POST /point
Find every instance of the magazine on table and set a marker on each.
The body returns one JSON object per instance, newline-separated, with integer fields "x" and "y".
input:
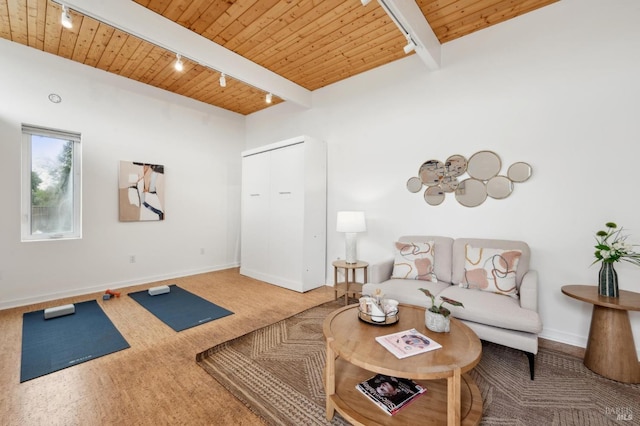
{"x": 407, "y": 343}
{"x": 390, "y": 393}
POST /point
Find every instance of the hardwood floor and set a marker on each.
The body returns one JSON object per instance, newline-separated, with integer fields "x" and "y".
{"x": 156, "y": 381}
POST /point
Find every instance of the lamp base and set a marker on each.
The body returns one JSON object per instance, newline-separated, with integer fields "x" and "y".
{"x": 351, "y": 255}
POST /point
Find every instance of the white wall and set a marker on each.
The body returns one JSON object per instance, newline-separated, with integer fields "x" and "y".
{"x": 557, "y": 88}
{"x": 119, "y": 120}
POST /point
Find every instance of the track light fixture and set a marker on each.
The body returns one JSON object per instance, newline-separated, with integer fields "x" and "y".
{"x": 179, "y": 66}
{"x": 223, "y": 80}
{"x": 65, "y": 18}
{"x": 269, "y": 98}
{"x": 411, "y": 46}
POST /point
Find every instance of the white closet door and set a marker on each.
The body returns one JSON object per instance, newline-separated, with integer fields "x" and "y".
{"x": 287, "y": 213}
{"x": 255, "y": 223}
{"x": 284, "y": 213}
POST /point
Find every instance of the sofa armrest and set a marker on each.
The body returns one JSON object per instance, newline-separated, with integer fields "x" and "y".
{"x": 529, "y": 291}
{"x": 380, "y": 271}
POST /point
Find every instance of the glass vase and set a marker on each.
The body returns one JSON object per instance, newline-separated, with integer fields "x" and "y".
{"x": 608, "y": 280}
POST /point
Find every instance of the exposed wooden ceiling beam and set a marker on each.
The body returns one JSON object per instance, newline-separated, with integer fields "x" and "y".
{"x": 145, "y": 24}
{"x": 410, "y": 18}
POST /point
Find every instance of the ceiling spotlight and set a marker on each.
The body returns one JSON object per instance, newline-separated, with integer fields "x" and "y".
{"x": 411, "y": 46}
{"x": 365, "y": 2}
{"x": 223, "y": 80}
{"x": 65, "y": 17}
{"x": 269, "y": 98}
{"x": 179, "y": 66}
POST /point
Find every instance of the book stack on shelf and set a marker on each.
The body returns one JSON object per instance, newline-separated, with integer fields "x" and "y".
{"x": 390, "y": 393}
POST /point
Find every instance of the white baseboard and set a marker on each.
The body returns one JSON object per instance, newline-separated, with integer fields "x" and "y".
{"x": 295, "y": 285}
{"x": 566, "y": 338}
{"x": 7, "y": 304}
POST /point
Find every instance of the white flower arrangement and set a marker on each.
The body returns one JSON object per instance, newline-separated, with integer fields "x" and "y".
{"x": 615, "y": 250}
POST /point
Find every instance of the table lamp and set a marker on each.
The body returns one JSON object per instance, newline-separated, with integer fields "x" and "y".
{"x": 351, "y": 223}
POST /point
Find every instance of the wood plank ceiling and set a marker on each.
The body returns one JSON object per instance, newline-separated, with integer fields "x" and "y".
{"x": 313, "y": 43}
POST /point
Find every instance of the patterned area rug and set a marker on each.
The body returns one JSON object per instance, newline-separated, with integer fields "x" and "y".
{"x": 277, "y": 372}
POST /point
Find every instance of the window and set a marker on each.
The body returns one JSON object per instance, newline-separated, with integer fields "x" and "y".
{"x": 51, "y": 161}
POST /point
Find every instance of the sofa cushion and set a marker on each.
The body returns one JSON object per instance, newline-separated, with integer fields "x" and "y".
{"x": 441, "y": 253}
{"x": 489, "y": 269}
{"x": 414, "y": 261}
{"x": 492, "y": 309}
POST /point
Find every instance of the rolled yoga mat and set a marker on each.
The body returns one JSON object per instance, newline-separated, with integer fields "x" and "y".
{"x": 59, "y": 311}
{"x": 154, "y": 291}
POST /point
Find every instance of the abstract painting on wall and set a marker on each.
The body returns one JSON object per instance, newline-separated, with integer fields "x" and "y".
{"x": 141, "y": 191}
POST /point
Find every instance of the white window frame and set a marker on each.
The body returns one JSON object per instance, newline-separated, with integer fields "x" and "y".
{"x": 76, "y": 232}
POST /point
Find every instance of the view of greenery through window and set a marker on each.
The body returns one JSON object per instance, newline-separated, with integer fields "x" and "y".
{"x": 51, "y": 185}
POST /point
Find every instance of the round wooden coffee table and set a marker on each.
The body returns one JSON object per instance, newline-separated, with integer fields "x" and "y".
{"x": 353, "y": 355}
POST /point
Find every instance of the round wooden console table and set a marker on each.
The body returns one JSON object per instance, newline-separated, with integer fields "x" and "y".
{"x": 610, "y": 351}
{"x": 353, "y": 355}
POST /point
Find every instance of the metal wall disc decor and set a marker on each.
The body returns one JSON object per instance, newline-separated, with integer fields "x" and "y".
{"x": 455, "y": 165}
{"x": 499, "y": 187}
{"x": 484, "y": 165}
{"x": 519, "y": 172}
{"x": 471, "y": 192}
{"x": 484, "y": 179}
{"x": 434, "y": 195}
{"x": 431, "y": 172}
{"x": 414, "y": 184}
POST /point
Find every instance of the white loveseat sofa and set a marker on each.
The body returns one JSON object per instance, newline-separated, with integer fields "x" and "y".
{"x": 509, "y": 320}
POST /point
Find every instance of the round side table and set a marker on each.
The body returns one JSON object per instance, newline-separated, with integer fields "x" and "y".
{"x": 348, "y": 284}
{"x": 610, "y": 351}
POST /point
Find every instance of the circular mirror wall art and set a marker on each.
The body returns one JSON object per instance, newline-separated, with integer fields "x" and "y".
{"x": 519, "y": 172}
{"x": 471, "y": 192}
{"x": 431, "y": 172}
{"x": 483, "y": 165}
{"x": 499, "y": 187}
{"x": 434, "y": 195}
{"x": 455, "y": 165}
{"x": 485, "y": 180}
{"x": 449, "y": 183}
{"x": 414, "y": 184}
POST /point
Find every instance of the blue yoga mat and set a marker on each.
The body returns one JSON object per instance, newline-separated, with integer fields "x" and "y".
{"x": 57, "y": 343}
{"x": 180, "y": 309}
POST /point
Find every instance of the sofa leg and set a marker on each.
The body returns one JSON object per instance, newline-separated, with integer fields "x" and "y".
{"x": 530, "y": 356}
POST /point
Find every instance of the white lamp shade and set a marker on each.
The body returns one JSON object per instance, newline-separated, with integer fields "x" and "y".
{"x": 351, "y": 222}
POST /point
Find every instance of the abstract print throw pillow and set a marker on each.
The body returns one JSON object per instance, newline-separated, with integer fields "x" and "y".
{"x": 491, "y": 270}
{"x": 414, "y": 261}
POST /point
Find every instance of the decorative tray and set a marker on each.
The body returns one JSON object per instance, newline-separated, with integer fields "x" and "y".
{"x": 389, "y": 319}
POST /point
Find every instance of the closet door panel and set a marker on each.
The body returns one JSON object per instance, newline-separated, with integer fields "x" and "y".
{"x": 287, "y": 212}
{"x": 255, "y": 218}
{"x": 255, "y": 174}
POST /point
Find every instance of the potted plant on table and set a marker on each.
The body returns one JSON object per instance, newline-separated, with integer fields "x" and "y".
{"x": 436, "y": 317}
{"x": 611, "y": 246}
